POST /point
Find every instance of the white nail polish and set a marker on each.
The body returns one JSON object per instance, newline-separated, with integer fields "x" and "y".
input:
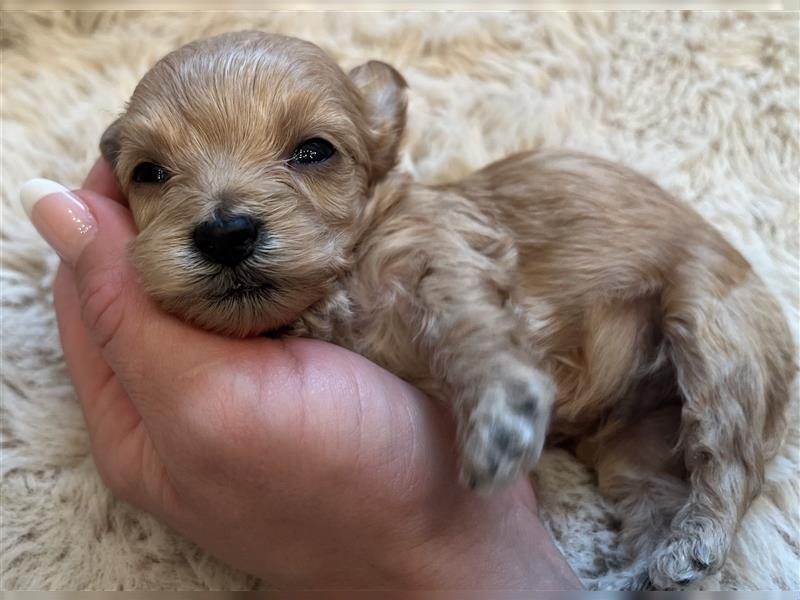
{"x": 60, "y": 217}
{"x": 33, "y": 190}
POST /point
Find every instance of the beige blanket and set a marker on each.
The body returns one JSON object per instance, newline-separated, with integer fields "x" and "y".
{"x": 705, "y": 103}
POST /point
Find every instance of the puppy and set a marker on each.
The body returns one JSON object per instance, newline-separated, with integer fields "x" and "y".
{"x": 548, "y": 292}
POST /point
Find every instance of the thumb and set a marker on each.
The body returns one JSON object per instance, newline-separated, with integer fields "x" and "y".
{"x": 91, "y": 233}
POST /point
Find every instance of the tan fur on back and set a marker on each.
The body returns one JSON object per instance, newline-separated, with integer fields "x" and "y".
{"x": 732, "y": 155}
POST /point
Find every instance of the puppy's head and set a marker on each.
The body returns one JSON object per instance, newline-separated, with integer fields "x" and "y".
{"x": 245, "y": 159}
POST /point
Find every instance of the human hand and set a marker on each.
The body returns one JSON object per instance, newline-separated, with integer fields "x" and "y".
{"x": 294, "y": 460}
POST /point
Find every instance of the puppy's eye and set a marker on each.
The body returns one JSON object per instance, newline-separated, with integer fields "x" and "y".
{"x": 315, "y": 150}
{"x": 148, "y": 172}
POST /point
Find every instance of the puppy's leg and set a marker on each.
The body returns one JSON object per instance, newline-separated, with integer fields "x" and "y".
{"x": 732, "y": 357}
{"x": 504, "y": 432}
{"x": 476, "y": 346}
{"x": 637, "y": 468}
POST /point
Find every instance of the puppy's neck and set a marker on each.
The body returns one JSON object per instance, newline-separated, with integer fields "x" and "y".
{"x": 383, "y": 199}
{"x": 331, "y": 318}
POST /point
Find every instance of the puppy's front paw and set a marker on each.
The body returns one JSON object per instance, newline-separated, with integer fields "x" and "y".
{"x": 506, "y": 430}
{"x": 695, "y": 549}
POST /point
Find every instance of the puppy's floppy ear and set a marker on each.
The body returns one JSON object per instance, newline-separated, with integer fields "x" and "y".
{"x": 384, "y": 92}
{"x": 110, "y": 142}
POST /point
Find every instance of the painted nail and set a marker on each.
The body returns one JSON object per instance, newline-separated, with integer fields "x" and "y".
{"x": 59, "y": 216}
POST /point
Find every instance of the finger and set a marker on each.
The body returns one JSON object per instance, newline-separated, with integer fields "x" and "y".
{"x": 101, "y": 180}
{"x": 112, "y": 421}
{"x": 108, "y": 411}
{"x": 124, "y": 452}
{"x": 142, "y": 345}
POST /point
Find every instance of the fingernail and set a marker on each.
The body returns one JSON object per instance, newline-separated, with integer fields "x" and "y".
{"x": 59, "y": 216}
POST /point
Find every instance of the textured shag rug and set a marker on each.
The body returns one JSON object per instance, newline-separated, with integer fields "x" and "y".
{"x": 704, "y": 103}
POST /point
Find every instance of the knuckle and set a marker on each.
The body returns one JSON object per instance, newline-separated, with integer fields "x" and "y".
{"x": 102, "y": 308}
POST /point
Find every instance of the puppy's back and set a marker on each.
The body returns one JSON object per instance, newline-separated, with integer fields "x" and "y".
{"x": 606, "y": 226}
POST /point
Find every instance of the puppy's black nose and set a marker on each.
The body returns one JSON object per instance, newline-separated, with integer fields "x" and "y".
{"x": 226, "y": 240}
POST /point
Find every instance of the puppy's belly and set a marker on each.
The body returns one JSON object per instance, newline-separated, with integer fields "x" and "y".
{"x": 605, "y": 358}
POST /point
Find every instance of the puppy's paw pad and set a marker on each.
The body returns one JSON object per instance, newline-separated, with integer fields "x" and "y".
{"x": 523, "y": 389}
{"x": 688, "y": 556}
{"x": 505, "y": 434}
{"x": 496, "y": 450}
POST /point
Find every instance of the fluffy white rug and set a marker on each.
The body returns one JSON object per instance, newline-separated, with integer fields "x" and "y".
{"x": 705, "y": 103}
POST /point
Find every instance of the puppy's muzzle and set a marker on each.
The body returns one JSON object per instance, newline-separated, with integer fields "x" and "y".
{"x": 227, "y": 239}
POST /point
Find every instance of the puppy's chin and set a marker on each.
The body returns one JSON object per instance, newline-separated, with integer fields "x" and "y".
{"x": 224, "y": 302}
{"x": 244, "y": 312}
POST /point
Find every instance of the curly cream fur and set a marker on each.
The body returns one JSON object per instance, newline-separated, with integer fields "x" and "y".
{"x": 703, "y": 103}
{"x": 637, "y": 305}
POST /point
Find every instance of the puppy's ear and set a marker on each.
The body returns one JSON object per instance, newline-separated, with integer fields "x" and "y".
{"x": 385, "y": 100}
{"x": 110, "y": 142}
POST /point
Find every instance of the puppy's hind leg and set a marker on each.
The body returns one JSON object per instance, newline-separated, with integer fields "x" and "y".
{"x": 637, "y": 468}
{"x": 732, "y": 358}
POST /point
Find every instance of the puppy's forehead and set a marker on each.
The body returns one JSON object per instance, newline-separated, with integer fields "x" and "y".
{"x": 237, "y": 90}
